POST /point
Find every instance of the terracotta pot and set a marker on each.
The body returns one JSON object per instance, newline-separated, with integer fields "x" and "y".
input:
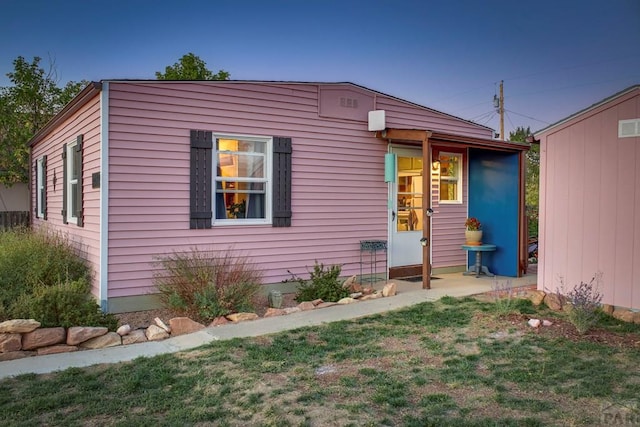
{"x": 474, "y": 237}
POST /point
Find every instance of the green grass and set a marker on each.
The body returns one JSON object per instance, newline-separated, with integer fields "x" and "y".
{"x": 452, "y": 362}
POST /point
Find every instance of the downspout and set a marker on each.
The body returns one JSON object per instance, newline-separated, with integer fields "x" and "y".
{"x": 104, "y": 198}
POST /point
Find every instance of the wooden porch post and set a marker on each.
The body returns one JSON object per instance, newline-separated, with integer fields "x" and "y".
{"x": 426, "y": 204}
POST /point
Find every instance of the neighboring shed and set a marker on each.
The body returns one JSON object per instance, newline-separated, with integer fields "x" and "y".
{"x": 590, "y": 199}
{"x": 284, "y": 172}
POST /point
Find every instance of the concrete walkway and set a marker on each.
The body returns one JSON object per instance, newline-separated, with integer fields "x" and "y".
{"x": 455, "y": 285}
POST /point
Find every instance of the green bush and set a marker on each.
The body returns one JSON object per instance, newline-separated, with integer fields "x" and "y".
{"x": 323, "y": 284}
{"x": 207, "y": 284}
{"x": 31, "y": 259}
{"x": 64, "y": 304}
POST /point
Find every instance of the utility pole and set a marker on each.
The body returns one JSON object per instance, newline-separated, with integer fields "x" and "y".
{"x": 501, "y": 110}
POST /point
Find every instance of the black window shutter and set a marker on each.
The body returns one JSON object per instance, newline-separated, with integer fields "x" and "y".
{"x": 77, "y": 158}
{"x": 44, "y": 187}
{"x": 64, "y": 184}
{"x": 281, "y": 182}
{"x": 201, "y": 179}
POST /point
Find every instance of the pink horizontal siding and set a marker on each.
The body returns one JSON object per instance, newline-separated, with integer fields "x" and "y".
{"x": 590, "y": 203}
{"x": 406, "y": 116}
{"x": 339, "y": 194}
{"x": 149, "y": 189}
{"x": 87, "y": 238}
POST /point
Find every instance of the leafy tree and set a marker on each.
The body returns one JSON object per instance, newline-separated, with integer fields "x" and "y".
{"x": 25, "y": 107}
{"x": 190, "y": 67}
{"x": 532, "y": 182}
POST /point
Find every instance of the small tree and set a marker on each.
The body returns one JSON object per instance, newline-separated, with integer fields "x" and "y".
{"x": 25, "y": 107}
{"x": 190, "y": 67}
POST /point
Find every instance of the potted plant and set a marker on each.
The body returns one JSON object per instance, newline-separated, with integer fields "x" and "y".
{"x": 473, "y": 233}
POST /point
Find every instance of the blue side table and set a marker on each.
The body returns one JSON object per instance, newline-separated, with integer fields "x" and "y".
{"x": 479, "y": 269}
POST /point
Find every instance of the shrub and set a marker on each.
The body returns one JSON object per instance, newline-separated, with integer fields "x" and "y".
{"x": 207, "y": 284}
{"x": 585, "y": 303}
{"x": 503, "y": 298}
{"x": 64, "y": 304}
{"x": 30, "y": 259}
{"x": 323, "y": 284}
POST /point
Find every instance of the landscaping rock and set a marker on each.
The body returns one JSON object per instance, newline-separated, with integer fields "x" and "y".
{"x": 19, "y": 326}
{"x": 220, "y": 320}
{"x": 134, "y": 337}
{"x": 79, "y": 334}
{"x": 607, "y": 309}
{"x": 547, "y": 323}
{"x": 368, "y": 291}
{"x": 536, "y": 297}
{"x": 347, "y": 300}
{"x": 534, "y": 323}
{"x": 289, "y": 310}
{"x": 110, "y": 339}
{"x": 351, "y": 283}
{"x": 355, "y": 295}
{"x": 161, "y": 324}
{"x": 13, "y": 355}
{"x": 43, "y": 337}
{"x": 10, "y": 342}
{"x": 273, "y": 312}
{"x": 123, "y": 330}
{"x": 184, "y": 325}
{"x": 389, "y": 290}
{"x": 624, "y": 315}
{"x": 55, "y": 349}
{"x": 371, "y": 296}
{"x": 242, "y": 317}
{"x": 156, "y": 333}
{"x": 317, "y": 301}
{"x": 306, "y": 306}
{"x": 553, "y": 301}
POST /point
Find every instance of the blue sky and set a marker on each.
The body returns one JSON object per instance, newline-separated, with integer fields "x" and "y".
{"x": 555, "y": 56}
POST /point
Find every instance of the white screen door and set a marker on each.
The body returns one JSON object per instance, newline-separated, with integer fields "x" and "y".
{"x": 407, "y": 216}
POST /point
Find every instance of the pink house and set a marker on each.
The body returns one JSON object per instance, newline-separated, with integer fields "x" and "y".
{"x": 590, "y": 199}
{"x": 286, "y": 173}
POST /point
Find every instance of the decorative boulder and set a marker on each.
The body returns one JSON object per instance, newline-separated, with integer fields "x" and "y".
{"x": 44, "y": 337}
{"x": 19, "y": 326}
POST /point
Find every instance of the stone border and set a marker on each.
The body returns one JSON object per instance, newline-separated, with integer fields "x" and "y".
{"x": 20, "y": 338}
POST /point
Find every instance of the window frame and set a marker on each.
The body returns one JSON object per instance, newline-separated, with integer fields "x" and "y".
{"x": 458, "y": 179}
{"x": 267, "y": 180}
{"x": 71, "y": 161}
{"x": 41, "y": 187}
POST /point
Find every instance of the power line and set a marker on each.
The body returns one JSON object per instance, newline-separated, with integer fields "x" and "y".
{"x": 528, "y": 117}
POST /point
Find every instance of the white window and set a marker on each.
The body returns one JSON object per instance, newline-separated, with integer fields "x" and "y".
{"x": 71, "y": 184}
{"x": 450, "y": 178}
{"x": 242, "y": 179}
{"x": 41, "y": 189}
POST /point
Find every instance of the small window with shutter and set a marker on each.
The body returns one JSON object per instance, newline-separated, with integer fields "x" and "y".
{"x": 72, "y": 212}
{"x": 240, "y": 180}
{"x": 41, "y": 187}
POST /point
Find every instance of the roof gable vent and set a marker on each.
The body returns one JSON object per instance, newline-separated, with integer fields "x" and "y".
{"x": 628, "y": 128}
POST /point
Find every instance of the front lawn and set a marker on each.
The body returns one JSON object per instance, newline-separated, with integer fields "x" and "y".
{"x": 451, "y": 362}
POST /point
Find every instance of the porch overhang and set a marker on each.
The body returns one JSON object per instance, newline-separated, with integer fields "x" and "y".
{"x": 425, "y": 139}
